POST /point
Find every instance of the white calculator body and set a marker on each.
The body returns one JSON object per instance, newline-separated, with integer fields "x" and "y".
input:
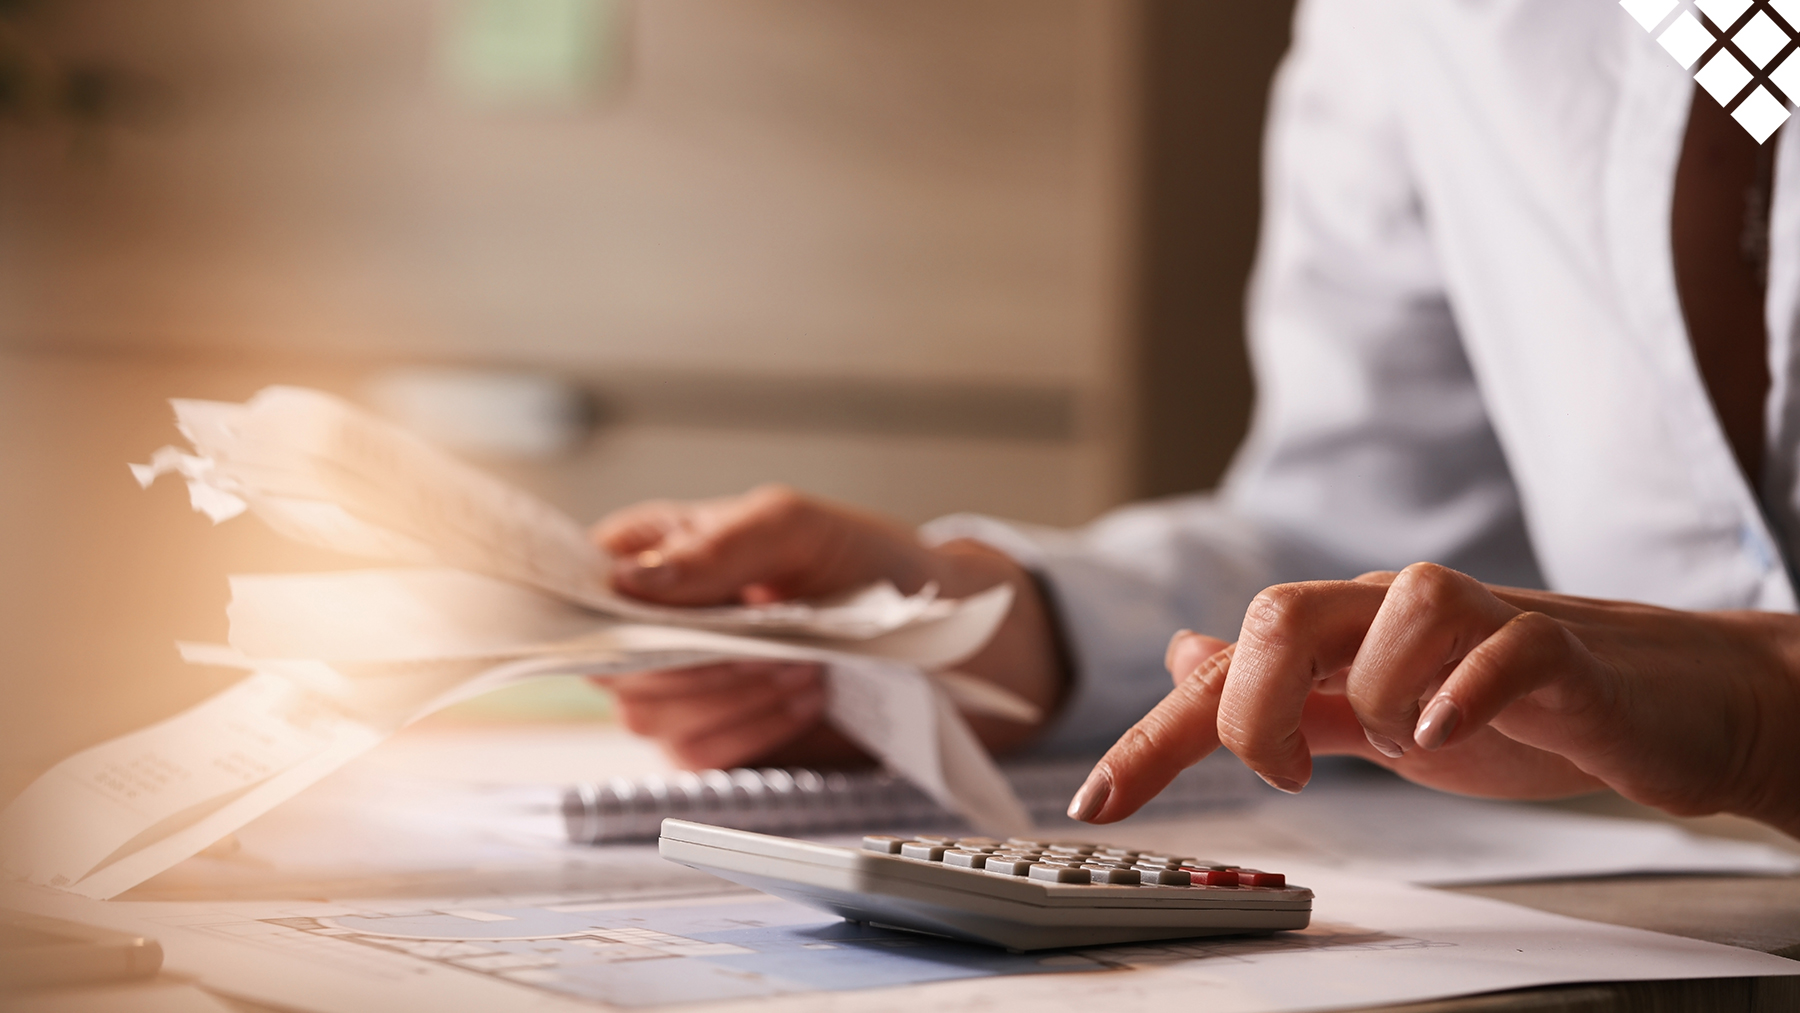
{"x": 1019, "y": 893}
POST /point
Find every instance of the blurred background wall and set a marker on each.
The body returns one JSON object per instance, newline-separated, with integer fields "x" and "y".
{"x": 921, "y": 255}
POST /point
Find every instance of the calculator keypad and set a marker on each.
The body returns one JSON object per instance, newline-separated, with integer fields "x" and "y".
{"x": 1072, "y": 862}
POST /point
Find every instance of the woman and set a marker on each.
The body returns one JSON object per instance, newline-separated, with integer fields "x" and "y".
{"x": 1525, "y": 308}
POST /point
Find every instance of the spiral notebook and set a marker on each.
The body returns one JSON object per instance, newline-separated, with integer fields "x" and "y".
{"x": 800, "y": 801}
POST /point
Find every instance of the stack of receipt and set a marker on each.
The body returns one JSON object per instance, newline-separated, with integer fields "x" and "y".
{"x": 498, "y": 587}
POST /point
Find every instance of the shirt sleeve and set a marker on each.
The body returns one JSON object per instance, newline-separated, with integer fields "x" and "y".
{"x": 1370, "y": 447}
{"x": 1120, "y": 587}
{"x": 1371, "y": 442}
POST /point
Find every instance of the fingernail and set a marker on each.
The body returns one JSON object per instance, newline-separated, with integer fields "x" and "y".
{"x": 648, "y": 568}
{"x": 1384, "y": 745}
{"x": 1437, "y": 724}
{"x": 1280, "y": 783}
{"x": 1092, "y": 797}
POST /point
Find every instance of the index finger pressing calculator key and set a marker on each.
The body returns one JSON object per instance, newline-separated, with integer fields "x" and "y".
{"x": 1020, "y": 893}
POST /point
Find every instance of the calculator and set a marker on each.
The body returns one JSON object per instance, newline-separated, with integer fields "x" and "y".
{"x": 1019, "y": 893}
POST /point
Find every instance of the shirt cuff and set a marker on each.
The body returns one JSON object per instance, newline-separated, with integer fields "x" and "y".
{"x": 1115, "y": 627}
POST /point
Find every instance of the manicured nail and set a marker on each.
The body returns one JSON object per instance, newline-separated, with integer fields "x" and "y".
{"x": 1281, "y": 783}
{"x": 1092, "y": 797}
{"x": 1384, "y": 745}
{"x": 1437, "y": 724}
{"x": 649, "y": 568}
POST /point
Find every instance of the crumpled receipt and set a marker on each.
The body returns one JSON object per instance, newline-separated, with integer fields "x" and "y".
{"x": 501, "y": 587}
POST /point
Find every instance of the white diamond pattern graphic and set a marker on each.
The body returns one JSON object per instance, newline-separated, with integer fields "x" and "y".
{"x": 1686, "y": 40}
{"x": 1761, "y": 114}
{"x": 1761, "y": 39}
{"x": 1723, "y": 13}
{"x": 1650, "y": 13}
{"x": 1723, "y": 77}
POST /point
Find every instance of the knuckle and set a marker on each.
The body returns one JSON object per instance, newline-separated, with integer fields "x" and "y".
{"x": 777, "y": 501}
{"x": 1529, "y": 638}
{"x": 1279, "y": 609}
{"x": 1210, "y": 676}
{"x": 1540, "y": 628}
{"x": 1149, "y": 738}
{"x": 1382, "y": 705}
{"x": 1245, "y": 740}
{"x": 1431, "y": 585}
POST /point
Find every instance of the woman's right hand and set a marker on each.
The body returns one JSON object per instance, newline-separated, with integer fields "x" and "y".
{"x": 774, "y": 544}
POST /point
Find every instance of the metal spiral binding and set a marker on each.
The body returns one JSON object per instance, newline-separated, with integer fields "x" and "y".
{"x": 787, "y": 801}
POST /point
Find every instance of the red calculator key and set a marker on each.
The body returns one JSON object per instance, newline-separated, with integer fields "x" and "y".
{"x": 1212, "y": 877}
{"x": 1256, "y": 877}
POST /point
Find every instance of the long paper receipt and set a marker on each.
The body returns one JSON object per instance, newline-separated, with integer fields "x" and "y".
{"x": 499, "y": 587}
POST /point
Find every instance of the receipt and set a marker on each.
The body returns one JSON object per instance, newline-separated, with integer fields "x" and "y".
{"x": 321, "y": 471}
{"x": 114, "y": 815}
{"x": 503, "y": 587}
{"x": 440, "y": 613}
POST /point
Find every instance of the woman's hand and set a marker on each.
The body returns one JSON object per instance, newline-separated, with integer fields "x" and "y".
{"x": 773, "y": 544}
{"x": 1484, "y": 691}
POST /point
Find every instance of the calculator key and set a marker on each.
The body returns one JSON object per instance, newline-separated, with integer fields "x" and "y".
{"x": 1059, "y": 873}
{"x": 1256, "y": 877}
{"x": 1213, "y": 877}
{"x": 1114, "y": 875}
{"x": 965, "y": 859}
{"x": 1102, "y": 890}
{"x": 1156, "y": 876}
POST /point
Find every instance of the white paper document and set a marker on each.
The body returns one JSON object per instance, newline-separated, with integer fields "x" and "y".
{"x": 504, "y": 588}
{"x": 324, "y": 472}
{"x": 1385, "y": 827}
{"x": 1358, "y": 820}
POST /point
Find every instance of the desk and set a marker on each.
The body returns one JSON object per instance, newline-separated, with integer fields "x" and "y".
{"x": 1756, "y": 913}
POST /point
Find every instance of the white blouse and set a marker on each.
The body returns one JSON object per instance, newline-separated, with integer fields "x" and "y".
{"x": 1468, "y": 348}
